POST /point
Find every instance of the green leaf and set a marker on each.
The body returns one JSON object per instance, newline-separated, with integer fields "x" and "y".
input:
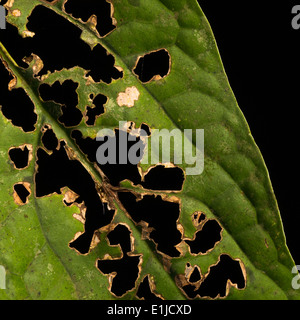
{"x": 234, "y": 189}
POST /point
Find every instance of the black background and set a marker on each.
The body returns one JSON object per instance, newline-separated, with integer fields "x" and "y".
{"x": 261, "y": 54}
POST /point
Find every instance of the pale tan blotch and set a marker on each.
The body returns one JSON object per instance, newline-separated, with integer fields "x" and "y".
{"x": 17, "y": 198}
{"x": 92, "y": 22}
{"x": 9, "y": 4}
{"x": 69, "y": 199}
{"x": 27, "y": 33}
{"x": 81, "y": 216}
{"x": 13, "y": 82}
{"x": 95, "y": 240}
{"x": 112, "y": 11}
{"x": 30, "y": 149}
{"x": 128, "y": 97}
{"x": 16, "y": 13}
{"x": 198, "y": 218}
{"x": 70, "y": 196}
{"x": 188, "y": 270}
{"x": 35, "y": 62}
{"x": 119, "y": 68}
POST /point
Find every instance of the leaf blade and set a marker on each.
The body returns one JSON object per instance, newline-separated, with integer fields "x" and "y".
{"x": 200, "y": 80}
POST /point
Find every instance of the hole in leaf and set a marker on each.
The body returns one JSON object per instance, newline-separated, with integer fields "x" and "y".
{"x": 206, "y": 238}
{"x": 114, "y": 172}
{"x": 22, "y": 192}
{"x": 93, "y": 112}
{"x": 15, "y": 44}
{"x": 121, "y": 235}
{"x": 15, "y": 104}
{"x": 215, "y": 282}
{"x": 146, "y": 128}
{"x": 160, "y": 216}
{"x": 198, "y": 218}
{"x": 49, "y": 138}
{"x": 195, "y": 276}
{"x": 59, "y": 45}
{"x": 21, "y": 156}
{"x": 57, "y": 42}
{"x": 64, "y": 94}
{"x": 145, "y": 292}
{"x": 56, "y": 171}
{"x": 124, "y": 271}
{"x": 84, "y": 10}
{"x": 164, "y": 178}
{"x": 154, "y": 65}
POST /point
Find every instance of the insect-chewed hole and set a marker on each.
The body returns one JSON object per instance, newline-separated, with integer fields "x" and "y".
{"x": 125, "y": 269}
{"x": 20, "y": 156}
{"x": 93, "y": 112}
{"x": 121, "y": 235}
{"x": 198, "y": 217}
{"x": 164, "y": 178}
{"x": 195, "y": 275}
{"x": 22, "y": 192}
{"x": 15, "y": 104}
{"x": 160, "y": 216}
{"x": 64, "y": 94}
{"x": 84, "y": 10}
{"x": 153, "y": 65}
{"x": 144, "y": 291}
{"x": 56, "y": 171}
{"x": 206, "y": 238}
{"x": 115, "y": 172}
{"x": 49, "y": 138}
{"x": 215, "y": 283}
{"x": 146, "y": 129}
{"x": 57, "y": 42}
